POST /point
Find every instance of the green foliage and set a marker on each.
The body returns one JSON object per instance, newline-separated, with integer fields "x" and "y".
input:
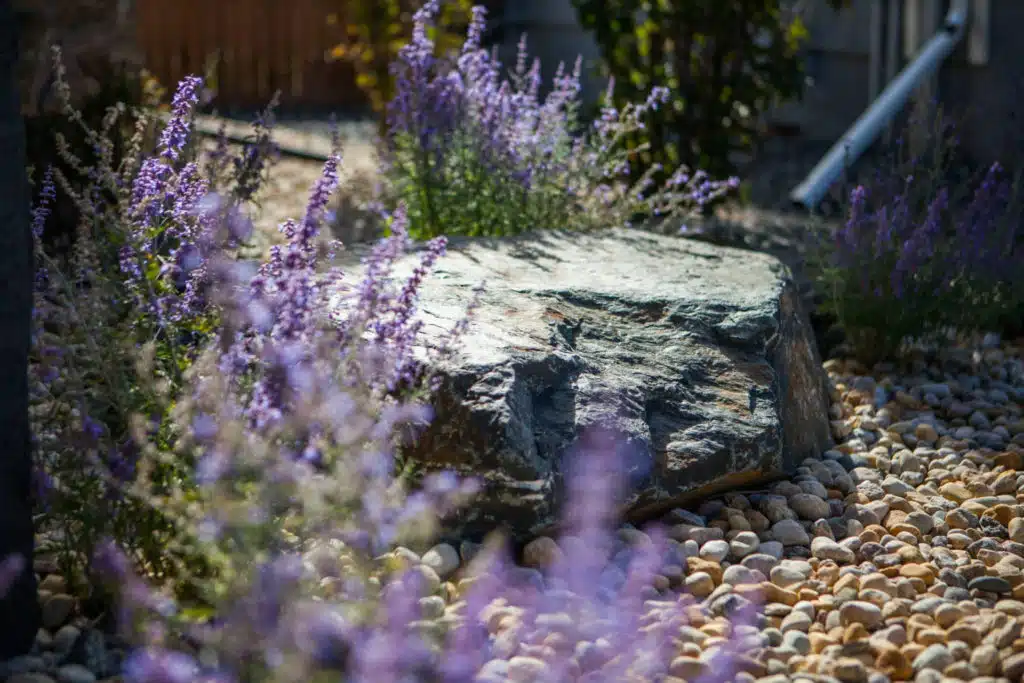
{"x": 106, "y": 375}
{"x": 471, "y": 152}
{"x": 374, "y": 32}
{"x": 725, "y": 62}
{"x": 54, "y": 139}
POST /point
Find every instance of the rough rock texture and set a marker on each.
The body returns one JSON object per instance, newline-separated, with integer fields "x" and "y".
{"x": 700, "y": 356}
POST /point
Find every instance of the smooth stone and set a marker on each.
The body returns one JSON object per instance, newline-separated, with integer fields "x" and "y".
{"x": 990, "y": 584}
{"x": 790, "y": 532}
{"x": 443, "y": 559}
{"x": 936, "y": 657}
{"x": 858, "y": 612}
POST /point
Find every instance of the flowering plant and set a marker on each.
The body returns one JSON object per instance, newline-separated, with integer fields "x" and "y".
{"x": 920, "y": 254}
{"x": 472, "y": 153}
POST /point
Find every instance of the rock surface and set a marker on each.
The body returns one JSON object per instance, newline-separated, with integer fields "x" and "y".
{"x": 700, "y": 357}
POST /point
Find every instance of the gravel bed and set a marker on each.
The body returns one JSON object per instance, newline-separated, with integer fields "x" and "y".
{"x": 899, "y": 555}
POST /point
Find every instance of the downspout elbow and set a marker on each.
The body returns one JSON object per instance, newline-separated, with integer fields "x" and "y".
{"x": 957, "y": 17}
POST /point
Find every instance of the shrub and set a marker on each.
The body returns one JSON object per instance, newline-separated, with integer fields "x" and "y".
{"x": 133, "y": 287}
{"x": 374, "y": 32}
{"x": 925, "y": 249}
{"x": 724, "y": 63}
{"x": 55, "y": 139}
{"x": 470, "y": 153}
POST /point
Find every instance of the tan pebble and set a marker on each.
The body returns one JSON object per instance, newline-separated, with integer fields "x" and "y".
{"x": 912, "y": 650}
{"x": 879, "y": 582}
{"x": 1016, "y": 529}
{"x": 773, "y": 593}
{"x": 56, "y": 610}
{"x": 689, "y": 650}
{"x": 910, "y": 529}
{"x": 926, "y": 432}
{"x": 846, "y": 581}
{"x": 819, "y": 641}
{"x": 918, "y": 571}
{"x": 910, "y": 554}
{"x": 1011, "y": 460}
{"x": 930, "y": 636}
{"x": 947, "y": 615}
{"x": 807, "y": 594}
{"x": 875, "y": 597}
{"x": 1014, "y": 608}
{"x": 541, "y": 552}
{"x": 854, "y": 633}
{"x": 956, "y": 492}
{"x": 715, "y": 629}
{"x": 1002, "y": 513}
{"x": 895, "y": 609}
{"x": 700, "y": 584}
{"x": 861, "y": 612}
{"x": 879, "y": 530}
{"x": 919, "y": 585}
{"x": 895, "y": 664}
{"x": 869, "y": 536}
{"x": 961, "y": 671}
{"x": 687, "y": 668}
{"x": 1005, "y": 483}
{"x": 921, "y": 620}
{"x": 53, "y": 583}
{"x": 713, "y": 569}
{"x": 1013, "y": 667}
{"x": 890, "y": 572}
{"x": 985, "y": 659}
{"x": 849, "y": 670}
{"x": 965, "y": 633}
{"x": 975, "y": 508}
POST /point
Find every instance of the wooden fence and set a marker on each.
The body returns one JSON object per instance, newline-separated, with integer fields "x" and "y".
{"x": 263, "y": 46}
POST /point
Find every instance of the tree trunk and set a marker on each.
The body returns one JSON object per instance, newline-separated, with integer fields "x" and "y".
{"x": 19, "y": 608}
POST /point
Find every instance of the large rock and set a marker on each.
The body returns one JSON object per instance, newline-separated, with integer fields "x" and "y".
{"x": 700, "y": 357}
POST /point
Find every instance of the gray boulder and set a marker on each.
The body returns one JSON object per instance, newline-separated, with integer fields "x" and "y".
{"x": 699, "y": 357}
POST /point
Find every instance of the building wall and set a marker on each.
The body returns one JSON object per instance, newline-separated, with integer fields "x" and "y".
{"x": 838, "y": 68}
{"x": 985, "y": 95}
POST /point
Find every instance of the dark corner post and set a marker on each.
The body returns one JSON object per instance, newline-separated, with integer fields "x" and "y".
{"x": 19, "y": 608}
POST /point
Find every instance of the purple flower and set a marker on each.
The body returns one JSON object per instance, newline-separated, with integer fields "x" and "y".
{"x": 47, "y": 193}
{"x": 153, "y": 665}
{"x": 176, "y": 131}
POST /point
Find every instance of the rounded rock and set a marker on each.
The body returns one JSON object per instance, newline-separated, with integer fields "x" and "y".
{"x": 790, "y": 532}
{"x": 809, "y": 506}
{"x": 443, "y": 559}
{"x": 858, "y": 612}
{"x": 743, "y": 544}
{"x": 715, "y": 551}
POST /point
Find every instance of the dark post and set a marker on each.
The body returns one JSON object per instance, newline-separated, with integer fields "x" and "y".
{"x": 19, "y": 608}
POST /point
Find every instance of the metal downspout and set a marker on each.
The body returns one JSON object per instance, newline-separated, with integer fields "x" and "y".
{"x": 869, "y": 125}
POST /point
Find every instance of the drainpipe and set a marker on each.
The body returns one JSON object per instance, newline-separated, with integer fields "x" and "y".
{"x": 867, "y": 127}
